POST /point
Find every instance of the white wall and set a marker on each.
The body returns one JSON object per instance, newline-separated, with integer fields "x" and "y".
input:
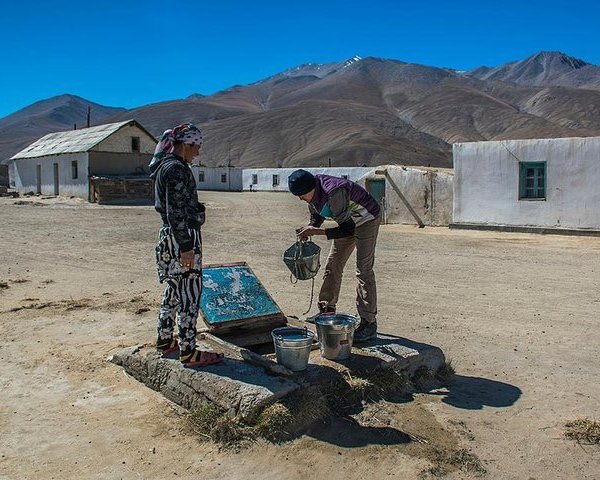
{"x": 265, "y": 176}
{"x": 120, "y": 141}
{"x": 428, "y": 192}
{"x": 486, "y": 184}
{"x": 25, "y": 177}
{"x": 213, "y": 181}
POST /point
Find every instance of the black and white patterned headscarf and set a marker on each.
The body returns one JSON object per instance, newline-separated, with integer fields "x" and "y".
{"x": 184, "y": 133}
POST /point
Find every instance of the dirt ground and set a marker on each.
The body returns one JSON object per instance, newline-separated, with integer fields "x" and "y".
{"x": 516, "y": 313}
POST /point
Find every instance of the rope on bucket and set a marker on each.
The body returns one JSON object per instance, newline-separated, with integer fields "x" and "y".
{"x": 312, "y": 294}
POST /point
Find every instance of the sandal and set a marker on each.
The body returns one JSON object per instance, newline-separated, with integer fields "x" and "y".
{"x": 167, "y": 346}
{"x": 200, "y": 358}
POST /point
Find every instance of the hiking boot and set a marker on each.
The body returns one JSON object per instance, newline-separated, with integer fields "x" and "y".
{"x": 365, "y": 331}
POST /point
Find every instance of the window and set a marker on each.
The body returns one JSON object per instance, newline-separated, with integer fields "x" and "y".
{"x": 254, "y": 179}
{"x": 74, "y": 170}
{"x": 345, "y": 176}
{"x": 223, "y": 178}
{"x": 532, "y": 181}
{"x": 201, "y": 176}
{"x": 135, "y": 144}
{"x": 275, "y": 180}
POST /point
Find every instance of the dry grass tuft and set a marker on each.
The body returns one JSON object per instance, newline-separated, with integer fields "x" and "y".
{"x": 446, "y": 461}
{"x": 273, "y": 421}
{"x": 276, "y": 422}
{"x": 422, "y": 376}
{"x": 230, "y": 432}
{"x": 466, "y": 461}
{"x": 360, "y": 385}
{"x": 204, "y": 418}
{"x": 306, "y": 408}
{"x": 584, "y": 430}
{"x": 446, "y": 371}
{"x": 388, "y": 381}
{"x": 287, "y": 417}
{"x": 438, "y": 471}
{"x": 212, "y": 422}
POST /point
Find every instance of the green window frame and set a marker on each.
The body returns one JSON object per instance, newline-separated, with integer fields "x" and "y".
{"x": 532, "y": 180}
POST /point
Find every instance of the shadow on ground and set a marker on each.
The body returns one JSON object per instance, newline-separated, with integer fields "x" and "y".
{"x": 347, "y": 432}
{"x": 474, "y": 393}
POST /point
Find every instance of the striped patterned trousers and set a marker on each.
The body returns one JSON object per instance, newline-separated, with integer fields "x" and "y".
{"x": 181, "y": 298}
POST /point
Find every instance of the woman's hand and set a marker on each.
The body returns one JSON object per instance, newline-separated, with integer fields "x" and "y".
{"x": 187, "y": 259}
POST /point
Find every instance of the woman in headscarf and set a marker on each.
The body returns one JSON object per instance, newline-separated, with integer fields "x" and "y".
{"x": 179, "y": 249}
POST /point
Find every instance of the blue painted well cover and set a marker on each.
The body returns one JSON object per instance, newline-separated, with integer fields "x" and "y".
{"x": 234, "y": 293}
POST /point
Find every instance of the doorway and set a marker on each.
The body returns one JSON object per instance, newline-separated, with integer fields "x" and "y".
{"x": 376, "y": 187}
{"x": 56, "y": 179}
{"x": 38, "y": 179}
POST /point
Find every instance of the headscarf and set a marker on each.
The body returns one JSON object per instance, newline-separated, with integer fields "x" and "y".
{"x": 184, "y": 133}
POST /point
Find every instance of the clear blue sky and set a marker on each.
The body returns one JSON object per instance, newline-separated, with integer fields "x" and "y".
{"x": 129, "y": 53}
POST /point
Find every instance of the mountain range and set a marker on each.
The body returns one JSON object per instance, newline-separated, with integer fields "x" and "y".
{"x": 361, "y": 111}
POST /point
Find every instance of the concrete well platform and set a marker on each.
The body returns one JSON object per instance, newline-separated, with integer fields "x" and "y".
{"x": 244, "y": 390}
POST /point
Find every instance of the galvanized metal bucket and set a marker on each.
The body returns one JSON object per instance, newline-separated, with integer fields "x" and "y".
{"x": 303, "y": 259}
{"x": 292, "y": 346}
{"x": 336, "y": 333}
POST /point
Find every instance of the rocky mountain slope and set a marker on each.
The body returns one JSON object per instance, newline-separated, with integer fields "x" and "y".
{"x": 357, "y": 112}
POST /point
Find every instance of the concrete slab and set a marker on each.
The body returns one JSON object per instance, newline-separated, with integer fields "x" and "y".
{"x": 240, "y": 388}
{"x": 403, "y": 354}
{"x": 245, "y": 390}
{"x": 387, "y": 351}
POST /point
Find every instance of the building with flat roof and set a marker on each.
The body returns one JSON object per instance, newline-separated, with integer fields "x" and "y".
{"x": 549, "y": 184}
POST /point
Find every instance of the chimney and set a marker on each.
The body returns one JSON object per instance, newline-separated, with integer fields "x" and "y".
{"x": 74, "y": 126}
{"x": 88, "y": 116}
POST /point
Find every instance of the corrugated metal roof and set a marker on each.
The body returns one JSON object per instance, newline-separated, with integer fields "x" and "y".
{"x": 71, "y": 141}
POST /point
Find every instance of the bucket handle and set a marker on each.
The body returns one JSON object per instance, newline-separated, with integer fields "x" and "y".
{"x": 305, "y": 329}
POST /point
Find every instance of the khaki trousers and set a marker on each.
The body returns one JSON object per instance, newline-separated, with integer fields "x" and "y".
{"x": 364, "y": 239}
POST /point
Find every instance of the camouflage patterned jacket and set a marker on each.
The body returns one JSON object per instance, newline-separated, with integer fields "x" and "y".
{"x": 176, "y": 200}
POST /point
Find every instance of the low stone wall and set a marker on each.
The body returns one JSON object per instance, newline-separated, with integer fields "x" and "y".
{"x": 121, "y": 190}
